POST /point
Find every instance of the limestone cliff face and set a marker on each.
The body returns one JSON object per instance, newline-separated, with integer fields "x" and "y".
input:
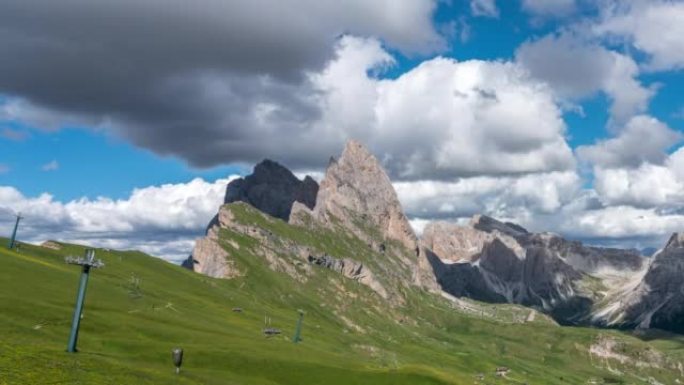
{"x": 357, "y": 191}
{"x": 208, "y": 257}
{"x": 357, "y": 194}
{"x": 457, "y": 244}
{"x": 495, "y": 261}
{"x": 212, "y": 254}
{"x": 657, "y": 300}
{"x": 676, "y": 242}
{"x": 350, "y": 269}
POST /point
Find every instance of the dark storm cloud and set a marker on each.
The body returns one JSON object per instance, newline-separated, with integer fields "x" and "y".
{"x": 185, "y": 78}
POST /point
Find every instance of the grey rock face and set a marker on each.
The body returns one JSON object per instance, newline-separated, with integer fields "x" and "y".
{"x": 272, "y": 189}
{"x": 489, "y": 225}
{"x": 494, "y": 261}
{"x": 587, "y": 259}
{"x": 209, "y": 258}
{"x": 350, "y": 269}
{"x": 457, "y": 244}
{"x": 212, "y": 259}
{"x": 658, "y": 300}
{"x": 357, "y": 194}
{"x": 357, "y": 191}
{"x": 676, "y": 242}
{"x": 307, "y": 192}
{"x": 463, "y": 280}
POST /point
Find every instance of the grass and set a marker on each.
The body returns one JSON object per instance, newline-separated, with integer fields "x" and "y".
{"x": 139, "y": 307}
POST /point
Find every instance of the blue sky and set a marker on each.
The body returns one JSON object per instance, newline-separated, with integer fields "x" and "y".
{"x": 92, "y": 164}
{"x": 113, "y": 112}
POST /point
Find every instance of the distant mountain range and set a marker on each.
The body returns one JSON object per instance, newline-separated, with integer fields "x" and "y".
{"x": 486, "y": 260}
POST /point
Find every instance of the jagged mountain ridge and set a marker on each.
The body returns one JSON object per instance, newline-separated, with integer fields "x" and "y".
{"x": 657, "y": 301}
{"x": 271, "y": 188}
{"x": 488, "y": 260}
{"x": 494, "y": 261}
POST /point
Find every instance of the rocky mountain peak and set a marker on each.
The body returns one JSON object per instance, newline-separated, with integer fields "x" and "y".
{"x": 456, "y": 244}
{"x": 489, "y": 224}
{"x": 269, "y": 170}
{"x": 658, "y": 300}
{"x": 676, "y": 241}
{"x": 355, "y": 151}
{"x": 272, "y": 188}
{"x": 497, "y": 261}
{"x": 356, "y": 191}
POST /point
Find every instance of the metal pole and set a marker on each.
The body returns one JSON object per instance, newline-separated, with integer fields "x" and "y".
{"x": 14, "y": 233}
{"x": 298, "y": 331}
{"x": 76, "y": 322}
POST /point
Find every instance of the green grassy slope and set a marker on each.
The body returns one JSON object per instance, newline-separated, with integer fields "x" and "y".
{"x": 138, "y": 308}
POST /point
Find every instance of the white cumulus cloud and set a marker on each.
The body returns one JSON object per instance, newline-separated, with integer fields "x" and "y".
{"x": 512, "y": 197}
{"x": 161, "y": 220}
{"x": 644, "y": 139}
{"x": 444, "y": 118}
{"x": 645, "y": 227}
{"x": 654, "y": 27}
{"x": 649, "y": 185}
{"x": 577, "y": 69}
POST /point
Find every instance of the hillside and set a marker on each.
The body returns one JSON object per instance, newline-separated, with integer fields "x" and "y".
{"x": 374, "y": 313}
{"x": 139, "y": 307}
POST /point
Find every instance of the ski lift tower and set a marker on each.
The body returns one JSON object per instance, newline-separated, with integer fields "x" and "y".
{"x": 87, "y": 263}
{"x": 14, "y": 232}
{"x": 298, "y": 331}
